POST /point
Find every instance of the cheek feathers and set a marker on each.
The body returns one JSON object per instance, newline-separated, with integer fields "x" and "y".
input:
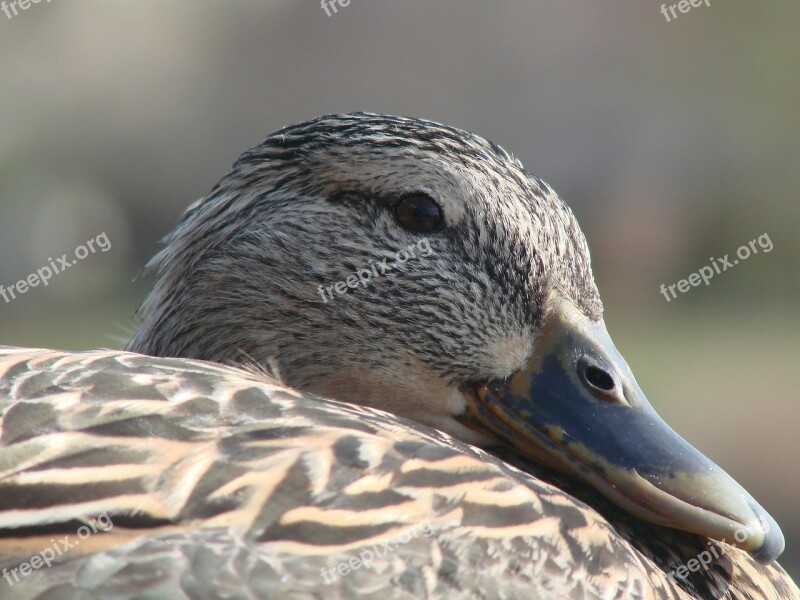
{"x": 506, "y": 355}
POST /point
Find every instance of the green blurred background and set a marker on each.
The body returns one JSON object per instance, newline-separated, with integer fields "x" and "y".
{"x": 672, "y": 141}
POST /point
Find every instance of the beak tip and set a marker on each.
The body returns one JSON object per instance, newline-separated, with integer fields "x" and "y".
{"x": 773, "y": 544}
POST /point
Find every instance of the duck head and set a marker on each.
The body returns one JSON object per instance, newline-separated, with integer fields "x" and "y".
{"x": 408, "y": 266}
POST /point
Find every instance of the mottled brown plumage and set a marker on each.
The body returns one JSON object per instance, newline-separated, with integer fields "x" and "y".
{"x": 218, "y": 482}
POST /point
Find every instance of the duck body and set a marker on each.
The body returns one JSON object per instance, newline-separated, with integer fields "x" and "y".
{"x": 373, "y": 365}
{"x": 216, "y": 483}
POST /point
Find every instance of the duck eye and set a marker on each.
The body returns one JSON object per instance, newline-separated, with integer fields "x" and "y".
{"x": 418, "y": 213}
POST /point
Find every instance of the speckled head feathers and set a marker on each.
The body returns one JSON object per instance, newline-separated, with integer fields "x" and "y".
{"x": 242, "y": 278}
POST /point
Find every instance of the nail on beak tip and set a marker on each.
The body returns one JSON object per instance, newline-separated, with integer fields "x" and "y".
{"x": 773, "y": 544}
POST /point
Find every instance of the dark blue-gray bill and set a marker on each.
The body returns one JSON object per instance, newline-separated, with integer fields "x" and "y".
{"x": 577, "y": 407}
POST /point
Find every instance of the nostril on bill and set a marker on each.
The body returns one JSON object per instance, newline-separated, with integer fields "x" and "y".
{"x": 598, "y": 378}
{"x": 599, "y": 381}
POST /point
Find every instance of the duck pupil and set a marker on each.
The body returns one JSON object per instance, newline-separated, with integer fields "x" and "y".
{"x": 418, "y": 213}
{"x": 599, "y": 379}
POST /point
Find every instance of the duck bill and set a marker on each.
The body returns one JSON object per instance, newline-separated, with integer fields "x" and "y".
{"x": 576, "y": 407}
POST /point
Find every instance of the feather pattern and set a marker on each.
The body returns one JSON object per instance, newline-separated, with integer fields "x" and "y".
{"x": 220, "y": 484}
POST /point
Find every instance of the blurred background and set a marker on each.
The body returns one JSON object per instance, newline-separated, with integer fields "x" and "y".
{"x": 672, "y": 141}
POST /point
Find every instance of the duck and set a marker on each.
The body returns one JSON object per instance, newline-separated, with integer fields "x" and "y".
{"x": 373, "y": 364}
